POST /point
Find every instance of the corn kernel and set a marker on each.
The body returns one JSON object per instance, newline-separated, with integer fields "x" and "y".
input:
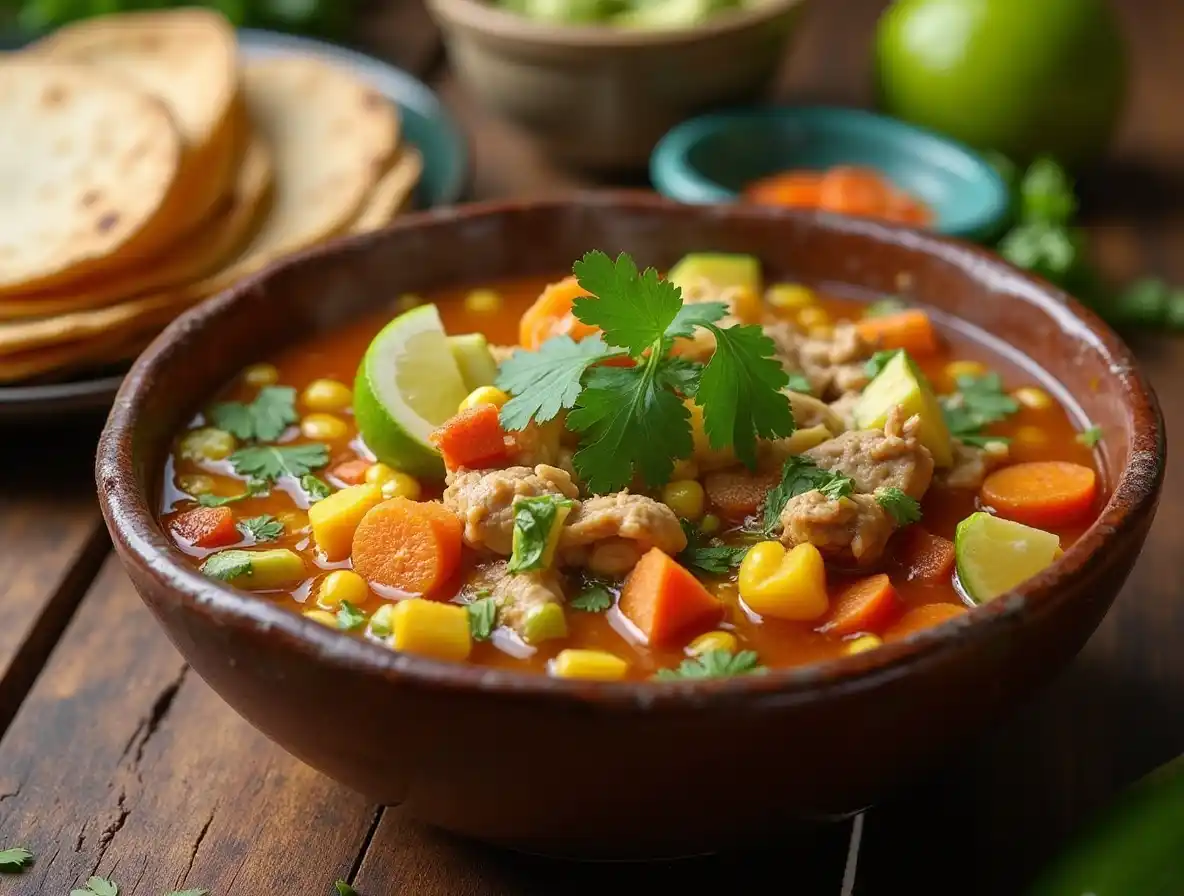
{"x": 784, "y": 584}
{"x": 196, "y": 484}
{"x": 590, "y": 665}
{"x": 407, "y": 301}
{"x": 791, "y": 296}
{"x": 745, "y": 304}
{"x": 339, "y": 585}
{"x": 484, "y": 395}
{"x": 957, "y": 369}
{"x": 685, "y": 469}
{"x": 402, "y": 486}
{"x": 483, "y": 301}
{"x": 379, "y": 474}
{"x": 1031, "y": 397}
{"x": 710, "y": 524}
{"x": 813, "y": 317}
{"x": 261, "y": 375}
{"x": 822, "y": 331}
{"x": 1030, "y": 437}
{"x": 712, "y": 641}
{"x": 324, "y": 427}
{"x": 862, "y": 643}
{"x": 430, "y": 628}
{"x": 327, "y": 395}
{"x": 207, "y": 443}
{"x": 686, "y": 498}
{"x": 382, "y": 621}
{"x": 324, "y": 617}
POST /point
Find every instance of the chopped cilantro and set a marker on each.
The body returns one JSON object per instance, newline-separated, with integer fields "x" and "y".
{"x": 263, "y": 420}
{"x": 261, "y": 528}
{"x": 800, "y": 475}
{"x": 546, "y": 381}
{"x": 837, "y": 485}
{"x": 981, "y": 441}
{"x": 799, "y": 383}
{"x": 98, "y": 886}
{"x": 535, "y": 518}
{"x": 979, "y": 401}
{"x": 903, "y": 508}
{"x": 344, "y": 889}
{"x": 595, "y": 598}
{"x": 15, "y": 858}
{"x": 884, "y": 307}
{"x": 482, "y": 618}
{"x": 695, "y": 314}
{"x": 879, "y": 361}
{"x": 349, "y": 617}
{"x": 316, "y": 488}
{"x": 703, "y": 556}
{"x": 634, "y": 309}
{"x": 1046, "y": 194}
{"x": 270, "y": 462}
{"x": 714, "y": 664}
{"x": 228, "y": 565}
{"x": 255, "y": 488}
{"x": 1090, "y": 437}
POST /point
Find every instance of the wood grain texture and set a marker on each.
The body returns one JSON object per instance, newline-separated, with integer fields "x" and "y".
{"x": 401, "y": 32}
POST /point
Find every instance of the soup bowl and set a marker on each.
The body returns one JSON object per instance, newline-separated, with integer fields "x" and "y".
{"x": 624, "y": 769}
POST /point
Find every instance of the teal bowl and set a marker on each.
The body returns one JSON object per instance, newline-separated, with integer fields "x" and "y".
{"x": 711, "y": 158}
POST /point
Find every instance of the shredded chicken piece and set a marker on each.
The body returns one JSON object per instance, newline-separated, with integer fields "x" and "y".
{"x": 636, "y": 518}
{"x": 972, "y": 464}
{"x": 483, "y": 500}
{"x": 843, "y": 407}
{"x": 833, "y": 364}
{"x": 518, "y": 595}
{"x": 892, "y": 458}
{"x": 845, "y": 530}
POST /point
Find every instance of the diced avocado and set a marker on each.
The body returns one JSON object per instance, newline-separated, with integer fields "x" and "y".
{"x": 477, "y": 367}
{"x": 995, "y": 555}
{"x": 569, "y": 11}
{"x": 545, "y": 622}
{"x": 669, "y": 13}
{"x": 901, "y": 382}
{"x": 256, "y": 570}
{"x": 721, "y": 270}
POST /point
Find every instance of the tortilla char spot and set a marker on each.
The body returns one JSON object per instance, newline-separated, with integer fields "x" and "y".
{"x": 54, "y": 95}
{"x": 372, "y": 99}
{"x": 90, "y": 197}
{"x": 107, "y": 222}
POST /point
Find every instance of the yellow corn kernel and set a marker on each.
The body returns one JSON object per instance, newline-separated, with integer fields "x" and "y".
{"x": 1030, "y": 437}
{"x": 590, "y": 665}
{"x": 327, "y": 395}
{"x": 686, "y": 498}
{"x": 745, "y": 304}
{"x": 324, "y": 617}
{"x": 484, "y": 395}
{"x": 379, "y": 474}
{"x": 1031, "y": 397}
{"x": 784, "y": 584}
{"x": 791, "y": 296}
{"x": 431, "y": 628}
{"x": 261, "y": 375}
{"x": 207, "y": 443}
{"x": 402, "y": 486}
{"x": 339, "y": 585}
{"x": 710, "y": 524}
{"x": 813, "y": 317}
{"x": 956, "y": 369}
{"x": 335, "y": 518}
{"x": 324, "y": 427}
{"x": 862, "y": 643}
{"x": 483, "y": 301}
{"x": 407, "y": 301}
{"x": 712, "y": 641}
{"x": 196, "y": 484}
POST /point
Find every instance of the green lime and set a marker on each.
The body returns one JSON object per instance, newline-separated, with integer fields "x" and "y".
{"x": 473, "y": 358}
{"x": 994, "y": 555}
{"x": 407, "y": 385}
{"x": 1024, "y": 77}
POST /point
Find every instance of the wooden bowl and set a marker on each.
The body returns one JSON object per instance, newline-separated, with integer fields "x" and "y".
{"x": 623, "y": 769}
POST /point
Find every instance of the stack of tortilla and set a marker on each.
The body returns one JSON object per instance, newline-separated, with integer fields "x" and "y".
{"x": 143, "y": 168}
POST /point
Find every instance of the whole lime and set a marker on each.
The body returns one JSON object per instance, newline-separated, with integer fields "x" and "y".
{"x": 1024, "y": 77}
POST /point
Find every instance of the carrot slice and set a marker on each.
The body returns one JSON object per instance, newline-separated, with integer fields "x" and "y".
{"x": 473, "y": 439}
{"x": 792, "y": 189}
{"x": 925, "y": 556}
{"x": 409, "y": 546}
{"x": 665, "y": 601}
{"x": 920, "y": 618}
{"x": 736, "y": 494}
{"x": 863, "y": 606}
{"x": 351, "y": 472}
{"x": 911, "y": 330}
{"x": 854, "y": 191}
{"x": 206, "y": 527}
{"x": 1041, "y": 493}
{"x": 550, "y": 315}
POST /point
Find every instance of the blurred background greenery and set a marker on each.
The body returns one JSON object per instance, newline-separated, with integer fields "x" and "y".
{"x": 326, "y": 18}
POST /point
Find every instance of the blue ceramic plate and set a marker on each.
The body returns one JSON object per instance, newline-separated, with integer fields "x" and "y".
{"x": 711, "y": 158}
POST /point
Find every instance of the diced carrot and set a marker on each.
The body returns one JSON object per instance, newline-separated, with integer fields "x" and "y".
{"x": 925, "y": 556}
{"x": 792, "y": 189}
{"x": 907, "y": 210}
{"x": 473, "y": 439}
{"x": 1041, "y": 493}
{"x": 863, "y": 606}
{"x": 412, "y": 547}
{"x": 923, "y": 617}
{"x": 854, "y": 191}
{"x": 736, "y": 494}
{"x": 665, "y": 601}
{"x": 351, "y": 472}
{"x": 206, "y": 527}
{"x": 550, "y": 315}
{"x": 911, "y": 330}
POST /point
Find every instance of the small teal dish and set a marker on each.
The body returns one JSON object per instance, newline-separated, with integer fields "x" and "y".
{"x": 711, "y": 158}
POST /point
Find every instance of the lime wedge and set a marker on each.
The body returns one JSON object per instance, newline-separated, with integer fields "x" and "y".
{"x": 472, "y": 355}
{"x": 994, "y": 555}
{"x": 407, "y": 385}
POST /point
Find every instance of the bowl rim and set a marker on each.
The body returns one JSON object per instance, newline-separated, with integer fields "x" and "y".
{"x": 483, "y": 17}
{"x": 676, "y": 178}
{"x": 141, "y": 541}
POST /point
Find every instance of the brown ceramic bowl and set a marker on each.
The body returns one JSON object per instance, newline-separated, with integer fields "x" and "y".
{"x": 623, "y": 769}
{"x": 600, "y": 97}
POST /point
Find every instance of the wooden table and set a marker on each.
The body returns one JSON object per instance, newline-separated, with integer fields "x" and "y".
{"x": 116, "y": 760}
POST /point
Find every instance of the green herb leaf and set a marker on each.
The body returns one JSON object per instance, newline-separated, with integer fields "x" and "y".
{"x": 703, "y": 557}
{"x": 680, "y": 375}
{"x": 799, "y": 383}
{"x": 98, "y": 886}
{"x": 198, "y": 892}
{"x": 714, "y": 664}
{"x": 1046, "y": 194}
{"x": 980, "y": 441}
{"x": 349, "y": 617}
{"x": 255, "y": 489}
{"x": 633, "y": 309}
{"x": 534, "y": 520}
{"x": 884, "y": 307}
{"x": 228, "y": 565}
{"x": 1052, "y": 251}
{"x": 979, "y": 401}
{"x": 595, "y": 598}
{"x": 270, "y": 462}
{"x": 1090, "y": 436}
{"x": 261, "y": 528}
{"x": 903, "y": 508}
{"x": 799, "y": 475}
{"x": 263, "y": 420}
{"x": 344, "y": 889}
{"x": 14, "y": 858}
{"x": 546, "y": 381}
{"x": 316, "y": 488}
{"x": 695, "y": 314}
{"x": 879, "y": 361}
{"x": 482, "y": 618}
{"x": 837, "y": 485}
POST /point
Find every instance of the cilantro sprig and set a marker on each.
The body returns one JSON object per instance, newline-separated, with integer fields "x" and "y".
{"x": 707, "y": 558}
{"x": 14, "y": 858}
{"x": 261, "y": 528}
{"x": 535, "y": 521}
{"x": 482, "y": 618}
{"x": 904, "y": 509}
{"x": 595, "y": 598}
{"x": 267, "y": 463}
{"x": 632, "y": 415}
{"x": 799, "y": 475}
{"x": 1090, "y": 436}
{"x": 263, "y": 420}
{"x": 98, "y": 886}
{"x": 979, "y": 402}
{"x": 349, "y": 617}
{"x": 714, "y": 664}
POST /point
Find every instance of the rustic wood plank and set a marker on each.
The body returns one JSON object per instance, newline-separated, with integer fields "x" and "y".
{"x": 399, "y": 31}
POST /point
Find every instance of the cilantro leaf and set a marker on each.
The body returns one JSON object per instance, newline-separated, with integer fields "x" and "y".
{"x": 349, "y": 617}
{"x": 680, "y": 375}
{"x": 546, "y": 381}
{"x": 1046, "y": 194}
{"x": 633, "y": 309}
{"x": 707, "y": 558}
{"x": 535, "y": 519}
{"x": 976, "y": 440}
{"x": 315, "y": 487}
{"x": 255, "y": 488}
{"x": 15, "y": 858}
{"x": 799, "y": 475}
{"x": 482, "y": 618}
{"x": 979, "y": 401}
{"x": 1090, "y": 436}
{"x": 270, "y": 462}
{"x": 629, "y": 422}
{"x": 884, "y": 307}
{"x": 1054, "y": 252}
{"x": 837, "y": 485}
{"x": 903, "y": 508}
{"x": 263, "y": 420}
{"x": 595, "y": 598}
{"x": 714, "y": 664}
{"x": 740, "y": 392}
{"x": 799, "y": 383}
{"x": 879, "y": 361}
{"x": 261, "y": 528}
{"x": 694, "y": 314}
{"x": 344, "y": 889}
{"x": 228, "y": 565}
{"x": 98, "y": 886}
